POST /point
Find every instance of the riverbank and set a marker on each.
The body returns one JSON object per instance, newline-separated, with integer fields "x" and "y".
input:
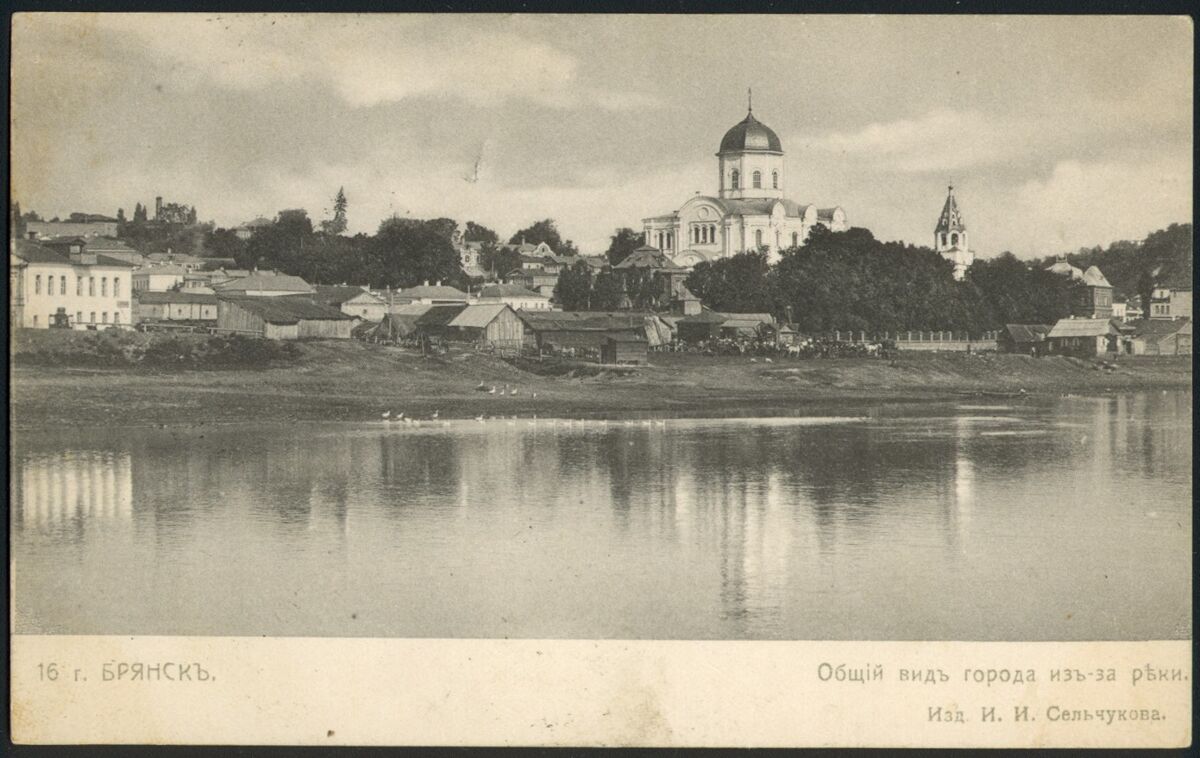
{"x": 348, "y": 381}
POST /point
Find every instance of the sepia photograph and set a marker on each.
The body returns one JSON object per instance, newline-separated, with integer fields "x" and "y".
{"x": 601, "y": 327}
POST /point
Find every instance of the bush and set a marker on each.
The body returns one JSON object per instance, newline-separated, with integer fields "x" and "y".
{"x": 114, "y": 348}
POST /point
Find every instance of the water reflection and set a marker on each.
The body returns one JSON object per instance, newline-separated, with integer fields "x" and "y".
{"x": 54, "y": 489}
{"x": 898, "y": 523}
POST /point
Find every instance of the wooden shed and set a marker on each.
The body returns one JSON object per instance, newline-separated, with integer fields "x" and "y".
{"x": 1082, "y": 337}
{"x": 284, "y": 317}
{"x": 1026, "y": 339}
{"x": 623, "y": 347}
{"x": 490, "y": 324}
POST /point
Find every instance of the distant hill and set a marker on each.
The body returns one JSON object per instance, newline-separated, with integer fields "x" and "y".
{"x": 1166, "y": 255}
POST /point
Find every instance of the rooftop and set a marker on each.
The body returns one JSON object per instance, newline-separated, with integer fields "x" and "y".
{"x": 265, "y": 283}
{"x": 1081, "y": 327}
{"x": 508, "y": 290}
{"x": 286, "y": 309}
{"x": 478, "y": 316}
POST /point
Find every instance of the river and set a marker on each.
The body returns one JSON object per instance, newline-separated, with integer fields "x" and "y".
{"x": 1063, "y": 518}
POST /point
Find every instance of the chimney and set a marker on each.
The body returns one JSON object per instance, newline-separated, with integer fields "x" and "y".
{"x": 158, "y": 208}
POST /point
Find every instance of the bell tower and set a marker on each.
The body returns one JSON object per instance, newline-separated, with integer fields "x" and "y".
{"x": 950, "y": 236}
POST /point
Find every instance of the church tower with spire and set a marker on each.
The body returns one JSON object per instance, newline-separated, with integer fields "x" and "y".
{"x": 950, "y": 237}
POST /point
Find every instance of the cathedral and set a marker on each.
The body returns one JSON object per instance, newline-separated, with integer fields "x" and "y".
{"x": 749, "y": 211}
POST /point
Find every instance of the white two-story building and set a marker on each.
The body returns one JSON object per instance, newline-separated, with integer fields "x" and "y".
{"x": 67, "y": 285}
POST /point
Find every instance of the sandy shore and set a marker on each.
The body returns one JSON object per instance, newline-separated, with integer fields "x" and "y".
{"x": 350, "y": 381}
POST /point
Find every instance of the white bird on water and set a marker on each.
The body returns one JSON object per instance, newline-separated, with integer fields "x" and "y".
{"x": 513, "y": 391}
{"x": 492, "y": 391}
{"x": 435, "y": 414}
{"x": 386, "y": 415}
{"x": 479, "y": 418}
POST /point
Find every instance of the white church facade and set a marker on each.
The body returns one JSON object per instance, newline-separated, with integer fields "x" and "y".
{"x": 749, "y": 211}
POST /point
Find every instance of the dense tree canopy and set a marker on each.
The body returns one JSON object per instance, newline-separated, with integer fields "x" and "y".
{"x": 545, "y": 231}
{"x": 743, "y": 283}
{"x": 1164, "y": 256}
{"x": 624, "y": 242}
{"x": 1014, "y": 292}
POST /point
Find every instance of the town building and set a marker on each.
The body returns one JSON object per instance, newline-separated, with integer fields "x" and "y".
{"x": 433, "y": 294}
{"x": 1082, "y": 337}
{"x": 624, "y": 347}
{"x": 246, "y": 231}
{"x": 1161, "y": 337}
{"x": 750, "y": 210}
{"x": 283, "y": 317}
{"x": 515, "y": 296}
{"x": 358, "y": 302}
{"x": 71, "y": 285}
{"x": 264, "y": 285}
{"x": 1095, "y": 298}
{"x": 950, "y": 237}
{"x": 80, "y": 225}
{"x": 1171, "y": 302}
{"x": 1024, "y": 339}
{"x": 158, "y": 278}
{"x": 588, "y": 331}
{"x": 494, "y": 326}
{"x": 194, "y": 307}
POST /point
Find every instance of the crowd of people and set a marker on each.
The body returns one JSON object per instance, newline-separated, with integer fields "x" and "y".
{"x": 766, "y": 347}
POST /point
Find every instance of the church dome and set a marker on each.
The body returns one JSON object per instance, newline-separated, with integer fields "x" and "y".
{"x": 750, "y": 135}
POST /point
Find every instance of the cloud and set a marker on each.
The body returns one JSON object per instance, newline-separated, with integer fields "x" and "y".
{"x": 1090, "y": 203}
{"x": 940, "y": 140}
{"x": 367, "y": 60}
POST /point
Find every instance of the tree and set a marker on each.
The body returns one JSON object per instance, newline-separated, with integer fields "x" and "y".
{"x": 608, "y": 291}
{"x": 479, "y": 233}
{"x": 742, "y": 283}
{"x": 573, "y": 291}
{"x": 499, "y": 260}
{"x": 1145, "y": 291}
{"x": 624, "y": 242}
{"x": 224, "y": 243}
{"x": 851, "y": 281}
{"x": 337, "y": 224}
{"x": 139, "y": 214}
{"x": 1011, "y": 291}
{"x": 406, "y": 252}
{"x": 545, "y": 231}
{"x": 120, "y": 216}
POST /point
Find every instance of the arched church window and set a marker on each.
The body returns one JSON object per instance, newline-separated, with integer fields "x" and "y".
{"x": 943, "y": 238}
{"x": 757, "y": 180}
{"x": 758, "y": 237}
{"x": 795, "y": 239}
{"x": 734, "y": 179}
{"x": 774, "y": 180}
{"x": 954, "y": 238}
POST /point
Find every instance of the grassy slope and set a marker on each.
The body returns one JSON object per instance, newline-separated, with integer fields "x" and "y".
{"x": 355, "y": 381}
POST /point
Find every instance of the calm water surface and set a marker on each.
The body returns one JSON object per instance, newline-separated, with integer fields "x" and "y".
{"x": 1042, "y": 519}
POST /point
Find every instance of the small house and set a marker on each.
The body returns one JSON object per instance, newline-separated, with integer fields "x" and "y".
{"x": 704, "y": 325}
{"x": 515, "y": 296}
{"x": 747, "y": 325}
{"x": 1082, "y": 337}
{"x": 281, "y": 318}
{"x": 264, "y": 285}
{"x": 624, "y": 347}
{"x": 174, "y": 306}
{"x": 1025, "y": 339}
{"x": 488, "y": 325}
{"x": 356, "y": 302}
{"x": 432, "y": 294}
{"x": 1161, "y": 337}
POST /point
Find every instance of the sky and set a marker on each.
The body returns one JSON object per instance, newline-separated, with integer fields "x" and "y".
{"x": 1057, "y": 132}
